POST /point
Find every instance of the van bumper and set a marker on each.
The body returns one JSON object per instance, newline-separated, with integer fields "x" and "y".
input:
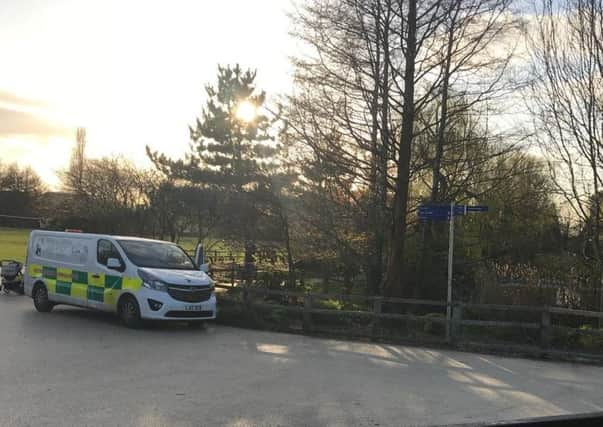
{"x": 172, "y": 309}
{"x": 28, "y": 285}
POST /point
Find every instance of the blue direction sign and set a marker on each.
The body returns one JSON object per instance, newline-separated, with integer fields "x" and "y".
{"x": 442, "y": 212}
{"x": 434, "y": 217}
{"x": 477, "y": 208}
{"x": 459, "y": 210}
{"x": 434, "y": 212}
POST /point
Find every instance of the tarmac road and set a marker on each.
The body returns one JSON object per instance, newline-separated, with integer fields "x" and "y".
{"x": 77, "y": 367}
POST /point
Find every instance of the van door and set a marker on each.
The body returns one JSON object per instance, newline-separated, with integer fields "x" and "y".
{"x": 104, "y": 284}
{"x": 61, "y": 261}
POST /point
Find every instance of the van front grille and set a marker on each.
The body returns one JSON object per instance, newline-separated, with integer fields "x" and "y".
{"x": 189, "y": 314}
{"x": 189, "y": 293}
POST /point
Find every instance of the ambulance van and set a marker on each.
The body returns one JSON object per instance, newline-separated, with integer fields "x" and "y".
{"x": 138, "y": 279}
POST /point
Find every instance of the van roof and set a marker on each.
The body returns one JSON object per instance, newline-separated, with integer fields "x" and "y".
{"x": 97, "y": 236}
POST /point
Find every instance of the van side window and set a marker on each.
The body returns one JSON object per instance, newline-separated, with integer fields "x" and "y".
{"x": 106, "y": 250}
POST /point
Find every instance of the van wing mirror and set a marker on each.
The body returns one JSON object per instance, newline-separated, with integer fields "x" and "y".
{"x": 114, "y": 264}
{"x": 204, "y": 268}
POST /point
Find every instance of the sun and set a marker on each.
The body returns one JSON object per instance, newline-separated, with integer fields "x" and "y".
{"x": 246, "y": 111}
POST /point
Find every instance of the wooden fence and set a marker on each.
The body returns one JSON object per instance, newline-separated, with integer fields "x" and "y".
{"x": 542, "y": 326}
{"x": 227, "y": 257}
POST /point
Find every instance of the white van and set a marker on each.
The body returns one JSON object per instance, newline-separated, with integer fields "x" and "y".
{"x": 135, "y": 278}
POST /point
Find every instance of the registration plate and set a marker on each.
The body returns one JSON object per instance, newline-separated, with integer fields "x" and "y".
{"x": 193, "y": 308}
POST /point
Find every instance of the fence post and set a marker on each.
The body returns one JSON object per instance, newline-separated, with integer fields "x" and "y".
{"x": 377, "y": 308}
{"x": 545, "y": 328}
{"x": 456, "y": 327}
{"x": 307, "y": 325}
{"x": 246, "y": 299}
{"x": 600, "y": 323}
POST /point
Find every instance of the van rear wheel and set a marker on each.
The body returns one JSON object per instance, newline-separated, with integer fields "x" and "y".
{"x": 40, "y": 299}
{"x": 129, "y": 312}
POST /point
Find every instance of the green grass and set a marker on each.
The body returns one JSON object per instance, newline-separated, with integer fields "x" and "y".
{"x": 190, "y": 243}
{"x": 13, "y": 243}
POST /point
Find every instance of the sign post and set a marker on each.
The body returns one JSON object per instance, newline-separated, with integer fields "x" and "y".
{"x": 445, "y": 213}
{"x": 450, "y": 265}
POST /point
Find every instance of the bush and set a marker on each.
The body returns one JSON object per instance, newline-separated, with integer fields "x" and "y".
{"x": 434, "y": 328}
{"x": 329, "y": 304}
{"x": 271, "y": 279}
{"x": 591, "y": 339}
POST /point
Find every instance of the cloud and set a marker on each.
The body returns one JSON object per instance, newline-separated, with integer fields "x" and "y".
{"x": 25, "y": 116}
{"x": 46, "y": 155}
{"x": 19, "y": 101}
{"x": 13, "y": 122}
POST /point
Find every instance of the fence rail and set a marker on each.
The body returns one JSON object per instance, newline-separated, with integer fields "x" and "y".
{"x": 377, "y": 309}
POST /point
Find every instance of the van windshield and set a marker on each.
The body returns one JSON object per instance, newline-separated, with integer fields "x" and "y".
{"x": 156, "y": 255}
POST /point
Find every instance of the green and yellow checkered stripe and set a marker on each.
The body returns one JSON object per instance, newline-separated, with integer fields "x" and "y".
{"x": 97, "y": 287}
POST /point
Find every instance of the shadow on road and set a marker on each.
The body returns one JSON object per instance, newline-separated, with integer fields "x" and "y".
{"x": 238, "y": 377}
{"x": 63, "y": 316}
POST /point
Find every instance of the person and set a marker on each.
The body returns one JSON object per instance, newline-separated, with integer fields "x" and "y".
{"x": 249, "y": 262}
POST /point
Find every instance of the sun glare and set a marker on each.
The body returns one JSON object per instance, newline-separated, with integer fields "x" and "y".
{"x": 246, "y": 112}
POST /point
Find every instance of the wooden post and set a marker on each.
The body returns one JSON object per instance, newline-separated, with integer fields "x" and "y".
{"x": 246, "y": 299}
{"x": 377, "y": 308}
{"x": 601, "y": 302}
{"x": 545, "y": 328}
{"x": 456, "y": 327}
{"x": 307, "y": 325}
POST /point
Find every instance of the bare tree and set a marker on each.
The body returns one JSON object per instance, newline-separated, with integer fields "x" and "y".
{"x": 446, "y": 51}
{"x": 20, "y": 179}
{"x": 78, "y": 160}
{"x": 365, "y": 95}
{"x": 567, "y": 105}
{"x": 340, "y": 112}
{"x": 474, "y": 55}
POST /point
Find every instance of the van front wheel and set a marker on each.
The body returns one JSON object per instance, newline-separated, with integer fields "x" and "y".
{"x": 129, "y": 312}
{"x": 40, "y": 299}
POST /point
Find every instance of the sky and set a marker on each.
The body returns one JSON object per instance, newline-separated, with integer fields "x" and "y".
{"x": 131, "y": 72}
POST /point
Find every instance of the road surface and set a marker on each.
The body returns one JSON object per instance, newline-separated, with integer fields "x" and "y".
{"x": 76, "y": 367}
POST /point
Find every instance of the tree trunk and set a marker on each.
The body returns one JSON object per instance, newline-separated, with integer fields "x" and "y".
{"x": 384, "y": 152}
{"x": 395, "y": 283}
{"x": 375, "y": 255}
{"x": 290, "y": 261}
{"x": 437, "y": 178}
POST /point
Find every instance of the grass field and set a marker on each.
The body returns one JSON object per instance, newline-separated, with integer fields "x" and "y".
{"x": 13, "y": 242}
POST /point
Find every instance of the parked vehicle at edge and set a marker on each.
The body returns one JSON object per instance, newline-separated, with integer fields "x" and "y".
{"x": 138, "y": 279}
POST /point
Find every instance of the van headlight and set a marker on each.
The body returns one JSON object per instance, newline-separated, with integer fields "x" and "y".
{"x": 151, "y": 282}
{"x": 156, "y": 285}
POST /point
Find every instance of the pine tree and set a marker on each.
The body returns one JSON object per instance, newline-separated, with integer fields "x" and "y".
{"x": 232, "y": 152}
{"x": 231, "y": 147}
